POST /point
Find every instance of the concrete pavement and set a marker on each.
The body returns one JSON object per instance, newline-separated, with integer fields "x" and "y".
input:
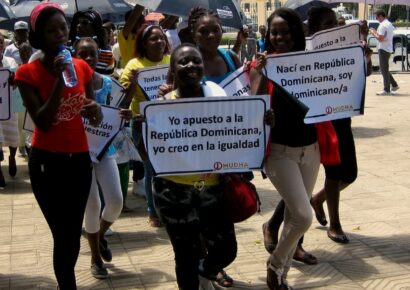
{"x": 375, "y": 212}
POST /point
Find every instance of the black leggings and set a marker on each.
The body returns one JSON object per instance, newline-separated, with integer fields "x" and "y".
{"x": 61, "y": 184}
{"x": 189, "y": 214}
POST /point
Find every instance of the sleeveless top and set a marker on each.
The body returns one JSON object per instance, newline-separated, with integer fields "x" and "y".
{"x": 101, "y": 98}
{"x": 226, "y": 55}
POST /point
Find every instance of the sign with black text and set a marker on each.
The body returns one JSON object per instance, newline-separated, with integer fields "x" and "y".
{"x": 5, "y": 106}
{"x": 198, "y": 135}
{"x": 237, "y": 83}
{"x": 99, "y": 138}
{"x": 334, "y": 37}
{"x": 117, "y": 93}
{"x": 330, "y": 82}
{"x": 151, "y": 78}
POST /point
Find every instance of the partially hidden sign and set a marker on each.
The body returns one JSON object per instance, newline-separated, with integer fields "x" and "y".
{"x": 5, "y": 106}
{"x": 151, "y": 78}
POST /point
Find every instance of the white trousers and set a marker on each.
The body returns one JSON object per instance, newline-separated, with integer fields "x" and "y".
{"x": 106, "y": 174}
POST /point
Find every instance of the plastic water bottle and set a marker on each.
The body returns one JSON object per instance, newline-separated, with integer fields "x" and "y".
{"x": 69, "y": 74}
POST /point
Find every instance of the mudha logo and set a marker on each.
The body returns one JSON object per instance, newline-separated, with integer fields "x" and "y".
{"x": 230, "y": 165}
{"x": 225, "y": 12}
{"x": 338, "y": 109}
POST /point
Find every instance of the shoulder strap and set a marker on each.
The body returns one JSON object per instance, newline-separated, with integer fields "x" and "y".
{"x": 227, "y": 56}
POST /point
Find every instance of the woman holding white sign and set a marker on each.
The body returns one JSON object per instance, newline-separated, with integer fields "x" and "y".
{"x": 293, "y": 161}
{"x": 191, "y": 205}
{"x": 87, "y": 48}
{"x": 152, "y": 49}
{"x": 59, "y": 166}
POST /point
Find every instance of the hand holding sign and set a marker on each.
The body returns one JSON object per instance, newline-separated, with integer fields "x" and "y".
{"x": 92, "y": 111}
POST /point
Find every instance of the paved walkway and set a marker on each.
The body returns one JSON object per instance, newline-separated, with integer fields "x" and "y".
{"x": 375, "y": 212}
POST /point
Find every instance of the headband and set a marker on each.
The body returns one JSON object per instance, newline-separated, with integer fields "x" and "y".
{"x": 38, "y": 9}
{"x": 149, "y": 27}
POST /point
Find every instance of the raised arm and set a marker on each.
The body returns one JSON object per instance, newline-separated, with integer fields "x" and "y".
{"x": 133, "y": 20}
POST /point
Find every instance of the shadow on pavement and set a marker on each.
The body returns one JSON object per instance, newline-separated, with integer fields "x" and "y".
{"x": 365, "y": 132}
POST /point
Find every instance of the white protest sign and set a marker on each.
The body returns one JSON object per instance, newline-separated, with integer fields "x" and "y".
{"x": 28, "y": 124}
{"x": 237, "y": 83}
{"x": 117, "y": 93}
{"x": 218, "y": 134}
{"x": 330, "y": 82}
{"x": 334, "y": 37}
{"x": 99, "y": 138}
{"x": 150, "y": 79}
{"x": 5, "y": 109}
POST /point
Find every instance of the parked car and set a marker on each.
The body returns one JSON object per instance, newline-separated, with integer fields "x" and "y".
{"x": 348, "y": 16}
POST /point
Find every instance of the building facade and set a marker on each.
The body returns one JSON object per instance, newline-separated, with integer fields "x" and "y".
{"x": 257, "y": 11}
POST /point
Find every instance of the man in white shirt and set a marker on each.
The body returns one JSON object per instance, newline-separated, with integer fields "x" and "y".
{"x": 384, "y": 36}
{"x": 20, "y": 36}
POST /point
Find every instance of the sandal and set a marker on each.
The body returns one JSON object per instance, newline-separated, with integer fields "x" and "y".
{"x": 270, "y": 240}
{"x": 222, "y": 279}
{"x": 155, "y": 222}
{"x": 341, "y": 239}
{"x": 307, "y": 259}
{"x": 273, "y": 277}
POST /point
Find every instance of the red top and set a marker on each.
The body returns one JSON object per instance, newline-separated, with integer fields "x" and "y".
{"x": 67, "y": 134}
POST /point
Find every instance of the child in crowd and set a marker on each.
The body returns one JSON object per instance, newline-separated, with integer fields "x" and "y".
{"x": 87, "y": 49}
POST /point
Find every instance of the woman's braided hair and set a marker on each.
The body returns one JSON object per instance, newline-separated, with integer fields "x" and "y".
{"x": 198, "y": 12}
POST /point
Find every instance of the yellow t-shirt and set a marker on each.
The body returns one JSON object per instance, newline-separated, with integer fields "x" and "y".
{"x": 126, "y": 77}
{"x": 127, "y": 47}
{"x": 205, "y": 179}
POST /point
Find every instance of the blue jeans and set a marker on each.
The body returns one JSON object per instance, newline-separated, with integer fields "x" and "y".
{"x": 148, "y": 173}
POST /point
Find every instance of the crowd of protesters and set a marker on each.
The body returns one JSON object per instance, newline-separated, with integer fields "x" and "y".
{"x": 71, "y": 189}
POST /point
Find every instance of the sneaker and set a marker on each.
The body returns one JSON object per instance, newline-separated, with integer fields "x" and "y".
{"x": 99, "y": 271}
{"x": 383, "y": 93}
{"x": 108, "y": 233}
{"x": 395, "y": 88}
{"x": 105, "y": 252}
{"x": 138, "y": 188}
